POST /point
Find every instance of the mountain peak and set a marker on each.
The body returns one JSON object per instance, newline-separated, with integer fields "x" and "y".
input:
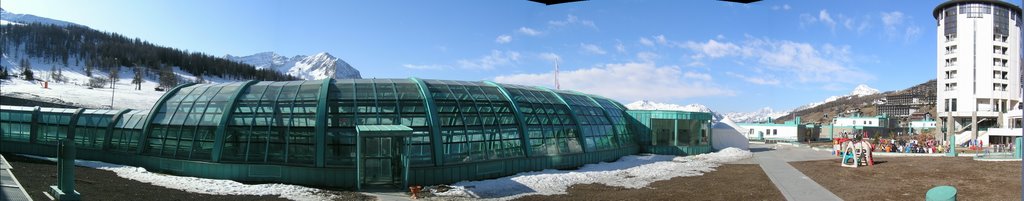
{"x": 29, "y": 19}
{"x": 321, "y": 65}
{"x": 863, "y": 90}
{"x": 322, "y": 54}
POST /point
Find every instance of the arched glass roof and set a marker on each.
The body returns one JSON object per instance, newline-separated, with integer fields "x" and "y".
{"x": 453, "y": 121}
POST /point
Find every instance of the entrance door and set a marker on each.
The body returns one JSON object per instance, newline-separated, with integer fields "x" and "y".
{"x": 382, "y": 162}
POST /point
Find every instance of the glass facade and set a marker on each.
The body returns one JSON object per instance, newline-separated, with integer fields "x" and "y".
{"x": 277, "y": 122}
{"x": 127, "y": 131}
{"x": 477, "y": 122}
{"x": 91, "y": 128}
{"x": 53, "y": 125}
{"x": 184, "y": 126}
{"x": 17, "y": 123}
{"x": 598, "y": 132}
{"x": 314, "y": 132}
{"x": 550, "y": 128}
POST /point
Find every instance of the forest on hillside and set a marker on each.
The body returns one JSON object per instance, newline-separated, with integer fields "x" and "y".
{"x": 69, "y": 45}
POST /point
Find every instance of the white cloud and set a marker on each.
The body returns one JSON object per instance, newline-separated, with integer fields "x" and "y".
{"x": 488, "y": 62}
{"x": 911, "y": 33}
{"x": 423, "y": 66}
{"x": 799, "y": 62}
{"x": 695, "y": 64}
{"x": 756, "y": 80}
{"x": 528, "y": 31}
{"x": 827, "y": 19}
{"x": 620, "y": 47}
{"x": 592, "y": 49}
{"x": 571, "y": 20}
{"x": 627, "y": 81}
{"x": 661, "y": 39}
{"x": 552, "y": 57}
{"x": 646, "y": 42}
{"x": 502, "y": 39}
{"x": 824, "y": 17}
{"x": 712, "y": 49}
{"x": 646, "y": 56}
{"x": 890, "y": 19}
{"x": 782, "y": 7}
{"x": 698, "y": 76}
{"x": 896, "y": 27}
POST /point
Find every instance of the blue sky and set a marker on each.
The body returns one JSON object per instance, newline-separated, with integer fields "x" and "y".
{"x": 730, "y": 57}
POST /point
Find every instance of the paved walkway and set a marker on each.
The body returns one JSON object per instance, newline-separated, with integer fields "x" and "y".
{"x": 10, "y": 188}
{"x": 794, "y": 185}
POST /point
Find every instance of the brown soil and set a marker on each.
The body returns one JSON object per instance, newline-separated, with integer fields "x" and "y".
{"x": 909, "y": 178}
{"x": 36, "y": 176}
{"x": 728, "y": 182}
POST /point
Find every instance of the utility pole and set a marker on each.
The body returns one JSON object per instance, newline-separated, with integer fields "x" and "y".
{"x": 113, "y": 85}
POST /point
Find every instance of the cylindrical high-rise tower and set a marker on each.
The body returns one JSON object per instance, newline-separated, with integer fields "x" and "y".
{"x": 978, "y": 63}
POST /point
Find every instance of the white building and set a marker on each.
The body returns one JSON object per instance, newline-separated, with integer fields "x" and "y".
{"x": 1011, "y": 128}
{"x": 871, "y": 125}
{"x": 787, "y": 131}
{"x": 873, "y": 121}
{"x": 923, "y": 124}
{"x": 978, "y": 63}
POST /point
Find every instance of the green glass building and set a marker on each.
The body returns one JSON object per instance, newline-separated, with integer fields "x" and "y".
{"x": 353, "y": 133}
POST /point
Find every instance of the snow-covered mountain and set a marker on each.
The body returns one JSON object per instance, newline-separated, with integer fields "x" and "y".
{"x": 14, "y": 18}
{"x": 318, "y": 66}
{"x": 747, "y": 117}
{"x": 860, "y": 90}
{"x": 651, "y": 105}
{"x": 756, "y": 116}
{"x": 864, "y": 90}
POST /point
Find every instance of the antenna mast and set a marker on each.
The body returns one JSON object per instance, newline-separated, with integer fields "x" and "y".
{"x": 557, "y": 85}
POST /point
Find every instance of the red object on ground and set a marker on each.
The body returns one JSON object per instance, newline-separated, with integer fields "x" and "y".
{"x": 46, "y": 85}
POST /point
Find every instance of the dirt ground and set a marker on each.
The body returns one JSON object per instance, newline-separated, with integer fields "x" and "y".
{"x": 728, "y": 182}
{"x": 909, "y": 178}
{"x": 36, "y": 176}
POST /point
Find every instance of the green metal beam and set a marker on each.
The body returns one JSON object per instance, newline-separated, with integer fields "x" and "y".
{"x": 321, "y": 121}
{"x": 147, "y": 127}
{"x": 218, "y": 136}
{"x": 73, "y": 124}
{"x": 572, "y": 114}
{"x": 435, "y": 123}
{"x": 33, "y": 133}
{"x": 110, "y": 128}
{"x": 519, "y": 118}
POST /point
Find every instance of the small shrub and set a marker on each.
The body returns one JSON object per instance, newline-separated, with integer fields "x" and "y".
{"x": 98, "y": 82}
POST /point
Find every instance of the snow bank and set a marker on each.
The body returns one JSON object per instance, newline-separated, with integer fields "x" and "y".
{"x": 206, "y": 186}
{"x": 629, "y": 171}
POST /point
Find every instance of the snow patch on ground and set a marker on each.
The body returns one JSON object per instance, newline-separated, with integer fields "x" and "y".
{"x": 205, "y": 186}
{"x": 634, "y": 171}
{"x": 75, "y": 90}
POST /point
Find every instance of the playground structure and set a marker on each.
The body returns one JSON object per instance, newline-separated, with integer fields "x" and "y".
{"x": 854, "y": 153}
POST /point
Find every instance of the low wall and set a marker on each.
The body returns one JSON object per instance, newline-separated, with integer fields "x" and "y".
{"x": 344, "y": 177}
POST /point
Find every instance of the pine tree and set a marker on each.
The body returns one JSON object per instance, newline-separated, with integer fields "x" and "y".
{"x": 3, "y": 73}
{"x": 26, "y": 70}
{"x": 53, "y": 74}
{"x": 88, "y": 69}
{"x": 137, "y": 79}
{"x": 167, "y": 77}
{"x": 60, "y": 74}
{"x": 200, "y": 79}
